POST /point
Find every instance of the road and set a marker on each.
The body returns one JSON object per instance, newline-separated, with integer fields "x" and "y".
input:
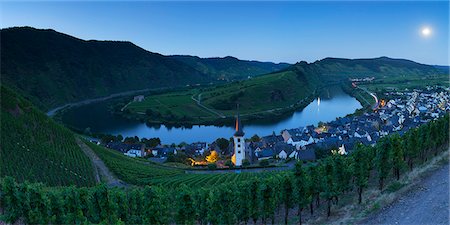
{"x": 375, "y": 106}
{"x": 426, "y": 203}
{"x": 52, "y": 112}
{"x": 100, "y": 169}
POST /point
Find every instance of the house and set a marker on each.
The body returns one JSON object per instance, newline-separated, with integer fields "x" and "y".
{"x": 266, "y": 153}
{"x": 135, "y": 153}
{"x": 138, "y": 98}
{"x": 197, "y": 148}
{"x": 284, "y": 151}
{"x": 161, "y": 151}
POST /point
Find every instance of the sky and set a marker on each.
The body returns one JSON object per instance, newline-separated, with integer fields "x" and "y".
{"x": 264, "y": 31}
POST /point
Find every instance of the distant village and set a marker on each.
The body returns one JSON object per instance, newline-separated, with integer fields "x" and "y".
{"x": 398, "y": 111}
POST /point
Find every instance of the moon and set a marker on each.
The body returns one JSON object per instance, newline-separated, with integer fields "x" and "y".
{"x": 426, "y": 31}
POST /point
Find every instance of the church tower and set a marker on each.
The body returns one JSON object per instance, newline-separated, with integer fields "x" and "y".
{"x": 239, "y": 143}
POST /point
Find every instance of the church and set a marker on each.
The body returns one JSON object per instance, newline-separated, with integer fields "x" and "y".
{"x": 239, "y": 143}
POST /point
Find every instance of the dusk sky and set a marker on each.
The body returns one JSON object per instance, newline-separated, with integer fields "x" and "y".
{"x": 265, "y": 31}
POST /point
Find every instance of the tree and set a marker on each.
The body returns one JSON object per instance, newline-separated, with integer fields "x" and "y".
{"x": 151, "y": 142}
{"x": 245, "y": 163}
{"x": 119, "y": 137}
{"x": 131, "y": 140}
{"x": 212, "y": 157}
{"x": 229, "y": 163}
{"x": 212, "y": 166}
{"x": 222, "y": 143}
{"x": 264, "y": 162}
{"x": 255, "y": 138}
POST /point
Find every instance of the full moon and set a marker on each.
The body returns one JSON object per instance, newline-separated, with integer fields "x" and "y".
{"x": 426, "y": 31}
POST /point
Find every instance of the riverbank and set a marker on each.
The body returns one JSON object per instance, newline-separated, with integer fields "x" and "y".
{"x": 97, "y": 118}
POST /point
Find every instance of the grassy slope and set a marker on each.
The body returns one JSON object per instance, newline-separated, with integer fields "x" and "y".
{"x": 35, "y": 148}
{"x": 142, "y": 172}
{"x": 257, "y": 96}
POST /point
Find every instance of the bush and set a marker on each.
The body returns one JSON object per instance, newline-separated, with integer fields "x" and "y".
{"x": 212, "y": 166}
{"x": 229, "y": 164}
{"x": 245, "y": 163}
{"x": 264, "y": 162}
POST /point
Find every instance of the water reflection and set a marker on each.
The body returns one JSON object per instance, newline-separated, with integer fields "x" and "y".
{"x": 332, "y": 103}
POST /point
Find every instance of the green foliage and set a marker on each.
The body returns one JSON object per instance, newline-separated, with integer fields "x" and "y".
{"x": 245, "y": 163}
{"x": 383, "y": 160}
{"x": 215, "y": 201}
{"x": 361, "y": 169}
{"x": 143, "y": 172}
{"x": 230, "y": 68}
{"x": 212, "y": 166}
{"x": 85, "y": 69}
{"x": 36, "y": 149}
{"x": 264, "y": 162}
{"x": 398, "y": 155}
{"x": 222, "y": 143}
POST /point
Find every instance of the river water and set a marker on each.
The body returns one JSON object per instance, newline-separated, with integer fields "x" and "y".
{"x": 332, "y": 103}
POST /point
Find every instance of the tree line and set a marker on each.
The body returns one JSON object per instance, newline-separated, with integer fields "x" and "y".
{"x": 260, "y": 200}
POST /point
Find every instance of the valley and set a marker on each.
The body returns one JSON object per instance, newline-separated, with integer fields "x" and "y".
{"x": 133, "y": 136}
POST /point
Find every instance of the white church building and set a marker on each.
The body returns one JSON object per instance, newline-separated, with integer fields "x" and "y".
{"x": 239, "y": 143}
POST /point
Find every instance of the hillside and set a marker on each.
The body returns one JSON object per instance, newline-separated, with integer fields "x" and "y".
{"x": 339, "y": 69}
{"x": 280, "y": 92}
{"x": 36, "y": 149}
{"x": 230, "y": 68}
{"x": 52, "y": 69}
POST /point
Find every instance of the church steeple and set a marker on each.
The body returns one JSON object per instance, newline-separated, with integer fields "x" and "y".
{"x": 239, "y": 143}
{"x": 238, "y": 127}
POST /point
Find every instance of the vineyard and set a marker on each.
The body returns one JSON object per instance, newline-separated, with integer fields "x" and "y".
{"x": 36, "y": 149}
{"x": 270, "y": 199}
{"x": 142, "y": 172}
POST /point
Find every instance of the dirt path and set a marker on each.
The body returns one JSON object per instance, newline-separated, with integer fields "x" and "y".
{"x": 426, "y": 203}
{"x": 199, "y": 103}
{"x": 101, "y": 171}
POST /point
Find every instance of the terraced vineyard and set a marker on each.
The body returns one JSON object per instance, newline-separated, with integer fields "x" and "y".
{"x": 143, "y": 172}
{"x": 36, "y": 149}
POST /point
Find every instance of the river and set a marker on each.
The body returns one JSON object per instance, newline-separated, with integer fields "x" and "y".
{"x": 332, "y": 103}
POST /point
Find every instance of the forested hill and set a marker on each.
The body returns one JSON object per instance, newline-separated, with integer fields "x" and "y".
{"x": 230, "y": 67}
{"x": 51, "y": 68}
{"x": 35, "y": 148}
{"x": 338, "y": 69}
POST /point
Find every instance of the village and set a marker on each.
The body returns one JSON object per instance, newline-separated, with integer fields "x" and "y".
{"x": 397, "y": 111}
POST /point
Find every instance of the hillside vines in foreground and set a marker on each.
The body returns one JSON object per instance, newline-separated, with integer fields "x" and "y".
{"x": 142, "y": 172}
{"x": 256, "y": 200}
{"x": 36, "y": 149}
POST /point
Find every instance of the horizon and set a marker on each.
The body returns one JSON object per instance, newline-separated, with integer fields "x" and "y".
{"x": 221, "y": 57}
{"x": 262, "y": 31}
